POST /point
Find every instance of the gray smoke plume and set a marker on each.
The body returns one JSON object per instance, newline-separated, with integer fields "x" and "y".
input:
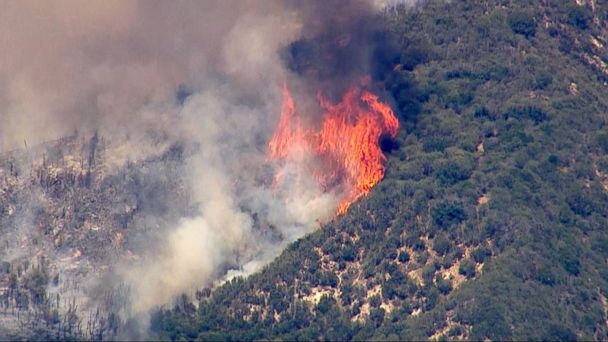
{"x": 149, "y": 74}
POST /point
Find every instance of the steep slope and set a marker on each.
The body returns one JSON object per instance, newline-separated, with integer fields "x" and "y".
{"x": 68, "y": 213}
{"x": 491, "y": 221}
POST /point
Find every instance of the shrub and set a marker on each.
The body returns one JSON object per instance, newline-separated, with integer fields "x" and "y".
{"x": 484, "y": 113}
{"x": 435, "y": 143}
{"x": 447, "y": 214}
{"x": 441, "y": 244}
{"x": 602, "y": 141}
{"x": 325, "y": 303}
{"x": 415, "y": 54}
{"x": 480, "y": 253}
{"x": 522, "y": 23}
{"x": 443, "y": 285}
{"x": 453, "y": 172}
{"x": 557, "y": 332}
{"x": 377, "y": 316}
{"x": 456, "y": 330}
{"x": 533, "y": 113}
{"x": 349, "y": 253}
{"x": 543, "y": 80}
{"x": 467, "y": 268}
{"x": 375, "y": 301}
{"x": 404, "y": 257}
{"x": 581, "y": 204}
{"x": 390, "y": 254}
{"x": 579, "y": 16}
{"x": 328, "y": 279}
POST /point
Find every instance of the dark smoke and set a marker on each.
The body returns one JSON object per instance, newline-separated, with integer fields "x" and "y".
{"x": 342, "y": 41}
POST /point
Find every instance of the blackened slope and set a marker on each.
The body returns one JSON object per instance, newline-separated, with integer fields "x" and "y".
{"x": 68, "y": 213}
{"x": 491, "y": 221}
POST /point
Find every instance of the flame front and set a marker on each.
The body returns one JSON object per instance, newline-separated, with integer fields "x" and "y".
{"x": 346, "y": 144}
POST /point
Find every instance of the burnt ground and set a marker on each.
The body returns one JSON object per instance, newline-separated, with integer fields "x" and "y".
{"x": 68, "y": 212}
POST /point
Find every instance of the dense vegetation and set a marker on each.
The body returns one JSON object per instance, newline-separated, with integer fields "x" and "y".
{"x": 492, "y": 219}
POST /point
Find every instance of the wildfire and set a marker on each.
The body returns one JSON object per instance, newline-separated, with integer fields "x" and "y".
{"x": 346, "y": 144}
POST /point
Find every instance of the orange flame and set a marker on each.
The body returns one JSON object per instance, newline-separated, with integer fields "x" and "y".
{"x": 347, "y": 142}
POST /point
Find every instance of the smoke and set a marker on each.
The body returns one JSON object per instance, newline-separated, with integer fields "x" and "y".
{"x": 109, "y": 65}
{"x": 148, "y": 74}
{"x": 232, "y": 232}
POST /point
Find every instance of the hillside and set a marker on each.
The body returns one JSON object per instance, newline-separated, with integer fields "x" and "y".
{"x": 68, "y": 213}
{"x": 491, "y": 221}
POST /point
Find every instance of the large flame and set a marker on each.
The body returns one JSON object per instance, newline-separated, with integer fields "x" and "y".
{"x": 346, "y": 144}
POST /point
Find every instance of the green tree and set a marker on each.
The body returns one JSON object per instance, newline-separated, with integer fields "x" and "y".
{"x": 467, "y": 268}
{"x": 446, "y": 214}
{"x": 522, "y": 22}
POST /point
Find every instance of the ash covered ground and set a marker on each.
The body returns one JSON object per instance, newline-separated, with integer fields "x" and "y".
{"x": 67, "y": 215}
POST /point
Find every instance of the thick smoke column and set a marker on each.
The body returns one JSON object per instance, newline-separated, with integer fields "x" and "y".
{"x": 234, "y": 229}
{"x": 115, "y": 67}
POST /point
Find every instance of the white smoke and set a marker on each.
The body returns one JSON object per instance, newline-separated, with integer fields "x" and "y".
{"x": 114, "y": 66}
{"x": 222, "y": 175}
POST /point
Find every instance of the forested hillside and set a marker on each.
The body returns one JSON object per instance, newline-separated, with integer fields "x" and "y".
{"x": 492, "y": 219}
